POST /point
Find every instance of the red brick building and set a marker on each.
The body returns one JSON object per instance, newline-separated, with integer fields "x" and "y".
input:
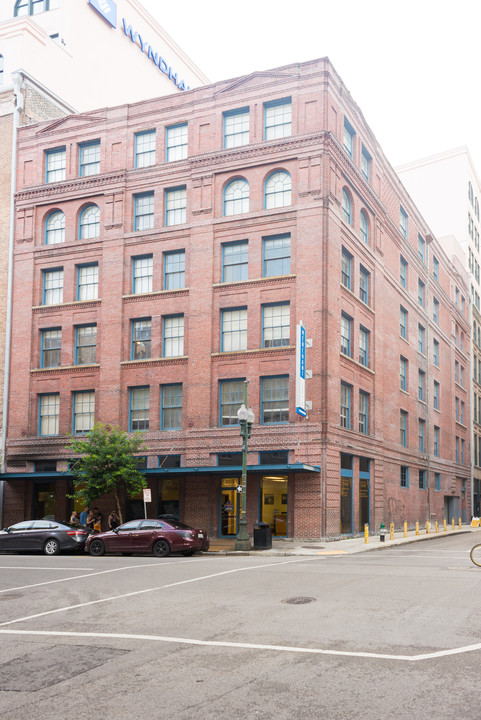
{"x": 166, "y": 251}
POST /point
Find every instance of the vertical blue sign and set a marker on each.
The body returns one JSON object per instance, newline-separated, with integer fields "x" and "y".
{"x": 301, "y": 370}
{"x": 107, "y": 9}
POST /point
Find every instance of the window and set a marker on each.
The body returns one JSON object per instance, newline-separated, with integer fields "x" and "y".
{"x": 404, "y": 476}
{"x": 436, "y": 310}
{"x": 364, "y": 346}
{"x": 33, "y": 7}
{"x": 470, "y": 192}
{"x": 346, "y": 406}
{"x": 141, "y": 339}
{"x": 236, "y": 197}
{"x": 364, "y": 285}
{"x": 403, "y": 322}
{"x": 144, "y": 211}
{"x": 421, "y": 390}
{"x": 89, "y": 158}
{"x": 421, "y": 333}
{"x": 457, "y": 409}
{"x": 346, "y": 328}
{"x": 51, "y": 343}
{"x": 277, "y": 256}
{"x": 403, "y": 373}
{"x": 174, "y": 270}
{"x": 276, "y": 325}
{"x": 346, "y": 207}
{"x": 142, "y": 269}
{"x": 421, "y": 425}
{"x": 437, "y": 481}
{"x": 277, "y": 191}
{"x": 461, "y": 375}
{"x": 436, "y": 395}
{"x": 89, "y": 222}
{"x": 88, "y": 282}
{"x": 176, "y": 206}
{"x": 403, "y": 271}
{"x": 233, "y": 330}
{"x": 366, "y": 163}
{"x": 435, "y": 268}
{"x": 55, "y": 168}
{"x": 363, "y": 412}
{"x": 346, "y": 267}
{"x": 48, "y": 411}
{"x": 176, "y": 142}
{"x": 275, "y": 399}
{"x": 86, "y": 345}
{"x": 236, "y": 128}
{"x": 462, "y": 413}
{"x": 173, "y": 345}
{"x": 420, "y": 293}
{"x": 277, "y": 119}
{"x": 145, "y": 148}
{"x": 53, "y": 286}
{"x": 171, "y": 407}
{"x": 83, "y": 412}
{"x": 403, "y": 222}
{"x": 235, "y": 261}
{"x": 139, "y": 408}
{"x": 462, "y": 451}
{"x": 55, "y": 228}
{"x": 348, "y": 137}
{"x": 363, "y": 227}
{"x": 457, "y": 449}
{"x": 436, "y": 352}
{"x": 231, "y": 397}
{"x": 421, "y": 248}
{"x": 436, "y": 441}
{"x": 422, "y": 479}
{"x": 403, "y": 428}
{"x": 456, "y": 371}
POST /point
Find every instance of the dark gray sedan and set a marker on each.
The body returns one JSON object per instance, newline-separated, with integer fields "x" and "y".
{"x": 46, "y": 536}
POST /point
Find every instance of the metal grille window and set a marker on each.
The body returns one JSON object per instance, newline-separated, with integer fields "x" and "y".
{"x": 275, "y": 400}
{"x": 89, "y": 225}
{"x": 235, "y": 261}
{"x": 55, "y": 228}
{"x": 277, "y": 119}
{"x": 51, "y": 348}
{"x": 145, "y": 149}
{"x": 346, "y": 327}
{"x": 346, "y": 406}
{"x": 236, "y": 197}
{"x": 144, "y": 211}
{"x": 175, "y": 206}
{"x": 173, "y": 345}
{"x": 88, "y": 282}
{"x": 422, "y": 479}
{"x": 171, "y": 412}
{"x": 141, "y": 338}
{"x": 364, "y": 346}
{"x": 89, "y": 160}
{"x": 84, "y": 412}
{"x": 139, "y": 408}
{"x": 53, "y": 286}
{"x": 174, "y": 270}
{"x": 142, "y": 275}
{"x": 234, "y": 330}
{"x": 276, "y": 325}
{"x": 176, "y": 142}
{"x": 346, "y": 264}
{"x": 236, "y": 128}
{"x": 48, "y": 414}
{"x": 55, "y": 165}
{"x": 86, "y": 345}
{"x": 278, "y": 190}
{"x": 231, "y": 394}
{"x": 277, "y": 256}
{"x": 363, "y": 412}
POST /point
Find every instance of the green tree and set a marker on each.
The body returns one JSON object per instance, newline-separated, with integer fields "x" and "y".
{"x": 107, "y": 464}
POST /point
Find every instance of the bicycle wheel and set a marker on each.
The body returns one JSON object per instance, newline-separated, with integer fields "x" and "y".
{"x": 475, "y": 555}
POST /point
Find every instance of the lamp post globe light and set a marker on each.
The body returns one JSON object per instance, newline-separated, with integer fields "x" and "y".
{"x": 246, "y": 419}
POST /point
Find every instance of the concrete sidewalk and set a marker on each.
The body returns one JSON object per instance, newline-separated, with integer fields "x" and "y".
{"x": 338, "y": 546}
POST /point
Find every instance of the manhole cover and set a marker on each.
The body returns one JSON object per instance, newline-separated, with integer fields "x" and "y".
{"x": 299, "y": 600}
{"x": 313, "y": 547}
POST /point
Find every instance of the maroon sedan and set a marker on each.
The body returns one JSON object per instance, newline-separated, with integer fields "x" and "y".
{"x": 149, "y": 536}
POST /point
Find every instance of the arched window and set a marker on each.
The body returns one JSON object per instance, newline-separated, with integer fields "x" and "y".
{"x": 89, "y": 225}
{"x": 346, "y": 207}
{"x": 55, "y": 228}
{"x": 277, "y": 190}
{"x": 236, "y": 197}
{"x": 363, "y": 227}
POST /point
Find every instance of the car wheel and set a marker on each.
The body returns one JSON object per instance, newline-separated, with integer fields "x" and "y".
{"x": 187, "y": 553}
{"x": 97, "y": 548}
{"x": 161, "y": 548}
{"x": 51, "y": 547}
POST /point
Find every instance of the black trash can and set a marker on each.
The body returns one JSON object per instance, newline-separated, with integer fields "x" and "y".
{"x": 262, "y": 536}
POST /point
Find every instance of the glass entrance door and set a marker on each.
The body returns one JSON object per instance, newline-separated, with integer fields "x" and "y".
{"x": 229, "y": 507}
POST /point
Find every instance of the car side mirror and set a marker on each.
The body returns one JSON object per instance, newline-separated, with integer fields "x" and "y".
{"x": 6, "y": 530}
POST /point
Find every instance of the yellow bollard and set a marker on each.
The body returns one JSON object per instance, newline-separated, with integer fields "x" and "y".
{"x": 405, "y": 532}
{"x": 454, "y": 527}
{"x": 437, "y": 526}
{"x": 445, "y": 525}
{"x": 366, "y": 534}
{"x": 417, "y": 527}
{"x": 427, "y": 527}
{"x": 391, "y": 531}
{"x": 460, "y": 524}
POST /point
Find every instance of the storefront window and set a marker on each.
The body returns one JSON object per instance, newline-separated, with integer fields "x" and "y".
{"x": 169, "y": 498}
{"x": 274, "y": 503}
{"x": 44, "y": 501}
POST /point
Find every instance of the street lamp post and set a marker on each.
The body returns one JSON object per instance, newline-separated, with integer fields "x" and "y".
{"x": 246, "y": 418}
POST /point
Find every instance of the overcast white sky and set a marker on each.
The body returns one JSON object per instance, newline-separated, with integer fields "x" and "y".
{"x": 413, "y": 67}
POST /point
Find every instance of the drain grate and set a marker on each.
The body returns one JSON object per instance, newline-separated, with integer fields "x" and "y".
{"x": 299, "y": 600}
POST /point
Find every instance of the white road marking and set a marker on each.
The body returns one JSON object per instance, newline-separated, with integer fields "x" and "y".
{"x": 139, "y": 592}
{"x": 249, "y": 646}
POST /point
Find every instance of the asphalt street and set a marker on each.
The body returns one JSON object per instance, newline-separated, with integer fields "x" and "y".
{"x": 368, "y": 636}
